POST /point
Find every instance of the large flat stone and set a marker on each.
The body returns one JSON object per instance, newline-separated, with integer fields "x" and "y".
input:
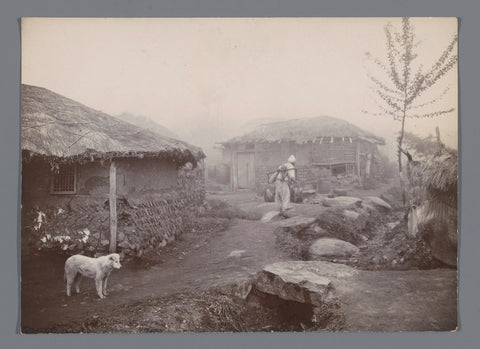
{"x": 295, "y": 223}
{"x": 304, "y": 282}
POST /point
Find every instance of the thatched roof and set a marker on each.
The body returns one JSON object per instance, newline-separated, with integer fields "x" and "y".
{"x": 59, "y": 128}
{"x": 437, "y": 174}
{"x": 305, "y": 130}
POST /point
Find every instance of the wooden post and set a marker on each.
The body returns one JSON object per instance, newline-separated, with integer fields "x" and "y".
{"x": 113, "y": 208}
{"x": 359, "y": 173}
{"x": 234, "y": 171}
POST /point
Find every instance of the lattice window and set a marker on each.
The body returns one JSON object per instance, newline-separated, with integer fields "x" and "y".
{"x": 64, "y": 180}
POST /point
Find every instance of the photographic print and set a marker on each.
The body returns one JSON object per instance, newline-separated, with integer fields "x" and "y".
{"x": 239, "y": 175}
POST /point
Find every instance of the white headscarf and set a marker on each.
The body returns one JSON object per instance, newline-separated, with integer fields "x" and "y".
{"x": 292, "y": 159}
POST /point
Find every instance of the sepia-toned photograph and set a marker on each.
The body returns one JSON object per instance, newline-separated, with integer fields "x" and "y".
{"x": 239, "y": 175}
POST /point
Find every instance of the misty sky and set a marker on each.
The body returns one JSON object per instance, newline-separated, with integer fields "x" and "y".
{"x": 206, "y": 79}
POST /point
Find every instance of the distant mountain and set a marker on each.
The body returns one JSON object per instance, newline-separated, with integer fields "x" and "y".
{"x": 147, "y": 124}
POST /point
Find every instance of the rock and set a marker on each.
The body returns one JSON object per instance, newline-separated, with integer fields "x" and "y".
{"x": 363, "y": 238}
{"x": 124, "y": 244}
{"x": 269, "y": 216}
{"x": 376, "y": 202}
{"x": 387, "y": 198}
{"x": 296, "y": 223}
{"x": 340, "y": 192}
{"x": 352, "y": 215}
{"x": 319, "y": 231}
{"x": 236, "y": 253}
{"x": 341, "y": 201}
{"x": 121, "y": 236}
{"x": 242, "y": 290}
{"x": 293, "y": 283}
{"x": 392, "y": 225}
{"x": 328, "y": 247}
{"x": 358, "y": 219}
{"x": 367, "y": 207}
{"x": 304, "y": 282}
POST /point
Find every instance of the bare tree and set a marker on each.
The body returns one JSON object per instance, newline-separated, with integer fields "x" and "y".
{"x": 400, "y": 91}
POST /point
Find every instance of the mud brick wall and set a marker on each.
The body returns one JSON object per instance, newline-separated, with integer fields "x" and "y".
{"x": 81, "y": 224}
{"x": 158, "y": 219}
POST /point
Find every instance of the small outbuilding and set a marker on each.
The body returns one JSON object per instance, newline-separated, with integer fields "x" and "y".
{"x": 322, "y": 146}
{"x": 85, "y": 172}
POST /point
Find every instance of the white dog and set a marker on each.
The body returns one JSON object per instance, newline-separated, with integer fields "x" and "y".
{"x": 95, "y": 268}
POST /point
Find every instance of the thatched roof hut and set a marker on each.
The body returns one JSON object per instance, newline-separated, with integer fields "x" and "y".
{"x": 434, "y": 181}
{"x": 433, "y": 191}
{"x": 321, "y": 144}
{"x": 305, "y": 130}
{"x": 64, "y": 130}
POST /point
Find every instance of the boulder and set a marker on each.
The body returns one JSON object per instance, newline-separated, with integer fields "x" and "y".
{"x": 341, "y": 201}
{"x": 377, "y": 203}
{"x": 352, "y": 215}
{"x": 359, "y": 219}
{"x": 303, "y": 282}
{"x": 327, "y": 247}
{"x": 387, "y": 198}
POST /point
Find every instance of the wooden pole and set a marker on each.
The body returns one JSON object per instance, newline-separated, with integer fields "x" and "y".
{"x": 113, "y": 208}
{"x": 358, "y": 163}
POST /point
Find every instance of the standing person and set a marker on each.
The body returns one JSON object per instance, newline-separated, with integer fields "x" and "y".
{"x": 285, "y": 176}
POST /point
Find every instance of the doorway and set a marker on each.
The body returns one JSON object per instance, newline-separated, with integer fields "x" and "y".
{"x": 246, "y": 170}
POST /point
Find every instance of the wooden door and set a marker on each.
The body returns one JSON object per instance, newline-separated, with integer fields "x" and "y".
{"x": 246, "y": 170}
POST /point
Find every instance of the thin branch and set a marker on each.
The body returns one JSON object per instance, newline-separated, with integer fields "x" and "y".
{"x": 431, "y": 101}
{"x": 431, "y": 115}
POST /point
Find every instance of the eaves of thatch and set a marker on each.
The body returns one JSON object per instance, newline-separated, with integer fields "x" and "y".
{"x": 60, "y": 129}
{"x": 305, "y": 130}
{"x": 438, "y": 174}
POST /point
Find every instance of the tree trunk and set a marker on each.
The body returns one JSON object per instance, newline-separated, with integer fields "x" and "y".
{"x": 400, "y": 143}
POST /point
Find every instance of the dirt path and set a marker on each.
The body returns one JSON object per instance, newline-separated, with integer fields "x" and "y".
{"x": 197, "y": 263}
{"x": 372, "y": 300}
{"x": 412, "y": 300}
